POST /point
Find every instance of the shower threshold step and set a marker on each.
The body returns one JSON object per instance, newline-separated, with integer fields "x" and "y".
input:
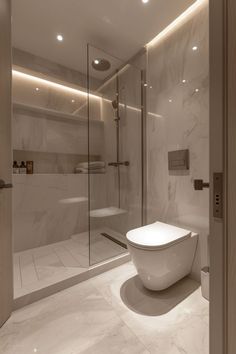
{"x": 105, "y": 212}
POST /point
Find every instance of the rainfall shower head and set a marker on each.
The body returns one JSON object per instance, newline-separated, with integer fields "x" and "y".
{"x": 100, "y": 64}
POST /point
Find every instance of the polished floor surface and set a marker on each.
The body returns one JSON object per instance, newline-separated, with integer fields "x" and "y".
{"x": 112, "y": 313}
{"x": 43, "y": 266}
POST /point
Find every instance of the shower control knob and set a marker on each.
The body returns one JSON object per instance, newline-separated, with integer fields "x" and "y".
{"x": 5, "y": 185}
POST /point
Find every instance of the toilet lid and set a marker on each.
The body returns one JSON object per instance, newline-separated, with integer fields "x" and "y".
{"x": 157, "y": 235}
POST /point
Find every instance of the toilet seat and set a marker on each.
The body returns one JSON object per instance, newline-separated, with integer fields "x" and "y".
{"x": 156, "y": 236}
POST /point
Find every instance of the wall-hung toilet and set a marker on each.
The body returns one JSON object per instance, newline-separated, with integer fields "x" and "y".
{"x": 162, "y": 253}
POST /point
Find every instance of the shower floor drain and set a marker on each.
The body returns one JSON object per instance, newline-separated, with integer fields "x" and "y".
{"x": 109, "y": 237}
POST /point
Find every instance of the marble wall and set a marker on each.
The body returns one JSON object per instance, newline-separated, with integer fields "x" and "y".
{"x": 55, "y": 144}
{"x": 178, "y": 118}
{"x": 48, "y": 208}
{"x": 50, "y": 127}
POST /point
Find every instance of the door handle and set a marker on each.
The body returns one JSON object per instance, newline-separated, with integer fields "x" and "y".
{"x": 5, "y": 185}
{"x": 199, "y": 184}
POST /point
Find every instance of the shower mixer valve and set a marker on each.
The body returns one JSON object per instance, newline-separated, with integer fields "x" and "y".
{"x": 116, "y": 164}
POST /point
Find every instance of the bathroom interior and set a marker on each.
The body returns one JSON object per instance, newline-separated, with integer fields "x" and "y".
{"x": 110, "y": 131}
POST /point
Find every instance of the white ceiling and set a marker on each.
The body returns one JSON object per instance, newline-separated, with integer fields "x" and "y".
{"x": 119, "y": 27}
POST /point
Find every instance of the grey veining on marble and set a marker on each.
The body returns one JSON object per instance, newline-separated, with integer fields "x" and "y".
{"x": 92, "y": 318}
{"x": 181, "y": 122}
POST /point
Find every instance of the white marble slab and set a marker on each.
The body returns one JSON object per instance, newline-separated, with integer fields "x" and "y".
{"x": 180, "y": 120}
{"x": 92, "y": 318}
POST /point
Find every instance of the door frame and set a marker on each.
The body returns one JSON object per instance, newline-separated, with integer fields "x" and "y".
{"x": 223, "y": 159}
{"x": 6, "y": 252}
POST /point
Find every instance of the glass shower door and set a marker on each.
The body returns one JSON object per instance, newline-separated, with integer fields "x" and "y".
{"x": 115, "y": 154}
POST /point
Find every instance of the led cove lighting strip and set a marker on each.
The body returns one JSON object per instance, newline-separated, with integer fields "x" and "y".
{"x": 177, "y": 22}
{"x": 70, "y": 89}
{"x": 53, "y": 84}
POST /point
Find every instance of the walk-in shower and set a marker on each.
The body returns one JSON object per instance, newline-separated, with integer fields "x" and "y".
{"x": 85, "y": 192}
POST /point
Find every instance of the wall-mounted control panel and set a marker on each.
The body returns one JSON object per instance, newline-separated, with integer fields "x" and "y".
{"x": 218, "y": 195}
{"x": 178, "y": 160}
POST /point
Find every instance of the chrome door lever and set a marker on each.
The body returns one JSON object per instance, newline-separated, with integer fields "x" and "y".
{"x": 5, "y": 185}
{"x": 199, "y": 184}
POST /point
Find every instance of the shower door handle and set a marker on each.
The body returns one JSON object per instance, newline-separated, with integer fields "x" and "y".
{"x": 5, "y": 185}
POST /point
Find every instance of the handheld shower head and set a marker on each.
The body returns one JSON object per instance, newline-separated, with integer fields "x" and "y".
{"x": 115, "y": 104}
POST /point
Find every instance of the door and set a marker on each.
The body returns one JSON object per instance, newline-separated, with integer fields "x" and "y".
{"x": 223, "y": 159}
{"x": 6, "y": 277}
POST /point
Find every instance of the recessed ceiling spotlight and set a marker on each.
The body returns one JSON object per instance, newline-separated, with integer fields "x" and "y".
{"x": 170, "y": 100}
{"x": 184, "y": 81}
{"x": 145, "y": 85}
{"x": 60, "y": 38}
{"x": 145, "y": 1}
{"x": 37, "y": 89}
{"x": 150, "y": 87}
{"x": 194, "y": 48}
{"x": 73, "y": 101}
{"x": 197, "y": 90}
{"x": 96, "y": 61}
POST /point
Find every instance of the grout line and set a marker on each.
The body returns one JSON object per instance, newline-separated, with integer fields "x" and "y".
{"x": 79, "y": 264}
{"x": 72, "y": 256}
{"x": 21, "y": 280}
{"x": 35, "y": 267}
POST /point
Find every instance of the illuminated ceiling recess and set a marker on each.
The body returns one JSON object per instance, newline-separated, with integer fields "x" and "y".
{"x": 55, "y": 85}
{"x": 178, "y": 22}
{"x": 184, "y": 17}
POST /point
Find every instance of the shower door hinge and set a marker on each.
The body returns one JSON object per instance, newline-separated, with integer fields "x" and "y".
{"x": 218, "y": 198}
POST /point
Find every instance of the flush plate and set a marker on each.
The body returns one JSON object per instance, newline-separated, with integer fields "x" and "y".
{"x": 178, "y": 160}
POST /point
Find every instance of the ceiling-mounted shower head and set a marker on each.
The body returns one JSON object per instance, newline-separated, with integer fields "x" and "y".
{"x": 100, "y": 64}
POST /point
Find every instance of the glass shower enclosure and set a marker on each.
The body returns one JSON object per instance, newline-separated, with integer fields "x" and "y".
{"x": 115, "y": 150}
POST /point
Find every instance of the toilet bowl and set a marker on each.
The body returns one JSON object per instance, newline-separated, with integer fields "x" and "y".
{"x": 161, "y": 253}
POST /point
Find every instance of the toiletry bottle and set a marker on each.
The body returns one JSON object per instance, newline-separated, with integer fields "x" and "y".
{"x": 23, "y": 167}
{"x": 30, "y": 167}
{"x": 15, "y": 167}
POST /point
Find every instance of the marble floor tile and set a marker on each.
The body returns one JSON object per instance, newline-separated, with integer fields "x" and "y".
{"x": 77, "y": 320}
{"x": 53, "y": 263}
{"x": 112, "y": 314}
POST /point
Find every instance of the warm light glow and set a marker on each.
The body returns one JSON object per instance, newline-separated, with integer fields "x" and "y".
{"x": 60, "y": 38}
{"x": 196, "y": 90}
{"x": 37, "y": 89}
{"x": 96, "y": 61}
{"x": 177, "y": 22}
{"x": 52, "y": 84}
{"x": 145, "y": 1}
{"x": 184, "y": 81}
{"x": 170, "y": 100}
{"x": 195, "y": 48}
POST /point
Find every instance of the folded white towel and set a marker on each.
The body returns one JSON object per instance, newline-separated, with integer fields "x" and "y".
{"x": 85, "y": 170}
{"x": 91, "y": 165}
